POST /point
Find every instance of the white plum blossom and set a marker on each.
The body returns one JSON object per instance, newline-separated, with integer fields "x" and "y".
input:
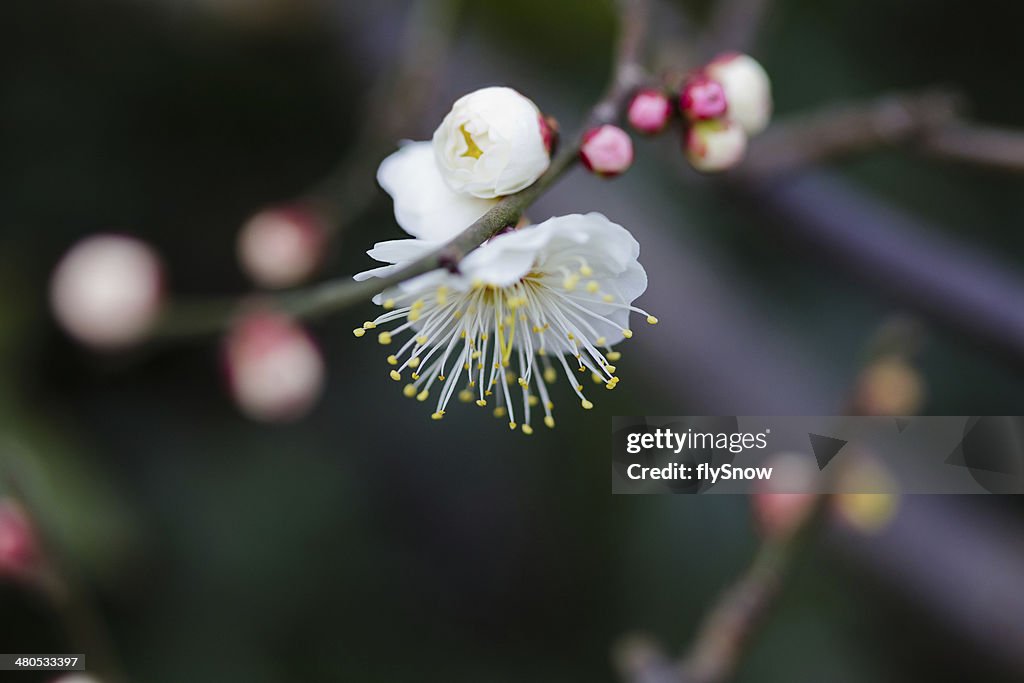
{"x": 425, "y": 207}
{"x": 526, "y": 305}
{"x": 492, "y": 143}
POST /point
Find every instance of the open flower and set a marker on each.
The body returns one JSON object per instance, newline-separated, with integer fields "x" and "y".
{"x": 491, "y": 143}
{"x": 500, "y": 330}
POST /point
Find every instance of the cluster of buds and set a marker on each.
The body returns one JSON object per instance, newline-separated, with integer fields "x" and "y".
{"x": 722, "y": 105}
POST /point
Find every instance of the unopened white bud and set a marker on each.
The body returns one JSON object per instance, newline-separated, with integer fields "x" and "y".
{"x": 748, "y": 90}
{"x": 281, "y": 247}
{"x": 107, "y": 290}
{"x": 717, "y": 145}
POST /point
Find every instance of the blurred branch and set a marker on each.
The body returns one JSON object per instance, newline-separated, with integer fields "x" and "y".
{"x": 998, "y": 148}
{"x": 205, "y": 317}
{"x": 394, "y": 103}
{"x": 965, "y": 290}
{"x": 842, "y": 130}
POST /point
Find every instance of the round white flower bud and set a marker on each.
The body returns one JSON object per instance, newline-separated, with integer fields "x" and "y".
{"x": 275, "y": 371}
{"x": 106, "y": 291}
{"x": 281, "y": 247}
{"x": 747, "y": 87}
{"x": 491, "y": 144}
{"x": 715, "y": 145}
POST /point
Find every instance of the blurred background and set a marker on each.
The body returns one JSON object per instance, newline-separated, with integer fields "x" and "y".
{"x": 363, "y": 542}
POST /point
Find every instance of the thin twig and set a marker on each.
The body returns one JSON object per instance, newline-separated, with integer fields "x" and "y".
{"x": 999, "y": 148}
{"x": 206, "y": 317}
{"x": 839, "y": 131}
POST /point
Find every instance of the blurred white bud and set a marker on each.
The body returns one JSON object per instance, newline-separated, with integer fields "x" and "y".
{"x": 606, "y": 150}
{"x": 716, "y": 145}
{"x": 107, "y": 290}
{"x": 747, "y": 87}
{"x": 281, "y": 247}
{"x": 275, "y": 370}
{"x": 19, "y": 549}
{"x": 492, "y": 143}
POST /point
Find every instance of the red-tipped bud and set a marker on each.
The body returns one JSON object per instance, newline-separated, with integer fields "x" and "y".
{"x": 781, "y": 504}
{"x": 107, "y": 291}
{"x": 649, "y": 112}
{"x": 275, "y": 371}
{"x": 606, "y": 150}
{"x": 281, "y": 247}
{"x": 19, "y": 550}
{"x": 549, "y": 132}
{"x": 717, "y": 145}
{"x": 702, "y": 99}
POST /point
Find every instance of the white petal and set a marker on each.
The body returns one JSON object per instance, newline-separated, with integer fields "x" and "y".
{"x": 425, "y": 207}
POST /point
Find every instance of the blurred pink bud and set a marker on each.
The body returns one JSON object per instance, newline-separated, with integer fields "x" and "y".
{"x": 713, "y": 146}
{"x": 606, "y": 150}
{"x": 281, "y": 247}
{"x": 19, "y": 551}
{"x": 77, "y": 678}
{"x": 107, "y": 290}
{"x": 649, "y": 111}
{"x": 748, "y": 90}
{"x": 783, "y": 503}
{"x": 702, "y": 99}
{"x": 275, "y": 371}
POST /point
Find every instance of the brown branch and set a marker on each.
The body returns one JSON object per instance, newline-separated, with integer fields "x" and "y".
{"x": 843, "y": 130}
{"x": 998, "y": 148}
{"x": 206, "y": 317}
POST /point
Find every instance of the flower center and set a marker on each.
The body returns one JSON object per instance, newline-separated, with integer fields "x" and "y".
{"x": 472, "y": 150}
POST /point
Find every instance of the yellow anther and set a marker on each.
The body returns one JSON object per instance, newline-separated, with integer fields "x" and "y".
{"x": 441, "y": 377}
{"x": 587, "y": 405}
{"x": 611, "y": 368}
{"x": 610, "y": 385}
{"x": 438, "y": 415}
{"x": 422, "y": 340}
{"x": 586, "y": 271}
{"x": 481, "y": 402}
{"x": 369, "y": 325}
{"x": 593, "y": 287}
{"x": 465, "y": 395}
{"x": 442, "y": 295}
{"x": 651, "y": 320}
{"x": 414, "y": 362}
{"x": 523, "y": 383}
{"x": 598, "y": 379}
{"x": 457, "y": 315}
{"x": 600, "y": 341}
{"x": 395, "y": 375}
{"x": 476, "y": 354}
{"x": 508, "y": 320}
{"x": 608, "y": 298}
{"x": 418, "y": 304}
{"x": 512, "y": 426}
{"x": 527, "y": 429}
{"x": 579, "y": 387}
{"x": 389, "y": 304}
{"x": 415, "y": 375}
{"x": 570, "y": 336}
{"x": 392, "y": 360}
{"x": 359, "y": 332}
{"x": 499, "y": 411}
{"x": 532, "y": 400}
{"x": 413, "y": 315}
{"x": 542, "y": 351}
{"x": 549, "y": 421}
{"x": 628, "y": 334}
{"x": 570, "y": 282}
{"x": 384, "y": 338}
{"x": 550, "y": 405}
{"x": 462, "y": 335}
{"x": 422, "y": 396}
{"x": 550, "y": 375}
{"x": 409, "y": 390}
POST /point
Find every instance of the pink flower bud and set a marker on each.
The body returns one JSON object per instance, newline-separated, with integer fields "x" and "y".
{"x": 781, "y": 504}
{"x": 19, "y": 551}
{"x": 716, "y": 145}
{"x": 550, "y": 132}
{"x": 281, "y": 247}
{"x": 649, "y": 111}
{"x": 606, "y": 150}
{"x": 702, "y": 98}
{"x": 107, "y": 290}
{"x": 747, "y": 87}
{"x": 274, "y": 369}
